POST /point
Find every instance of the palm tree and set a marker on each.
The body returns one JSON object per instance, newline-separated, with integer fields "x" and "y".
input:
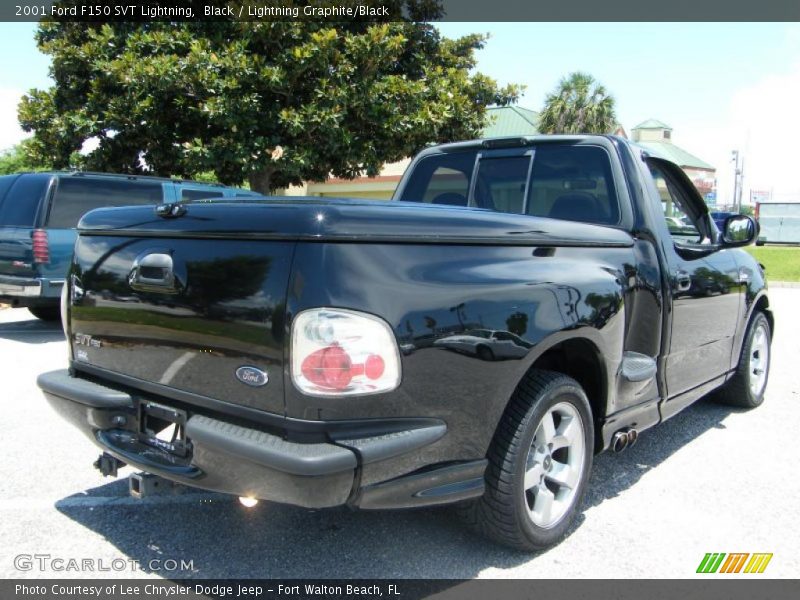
{"x": 578, "y": 105}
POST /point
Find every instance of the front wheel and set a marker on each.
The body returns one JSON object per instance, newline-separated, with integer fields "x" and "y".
{"x": 539, "y": 462}
{"x": 485, "y": 353}
{"x": 749, "y": 382}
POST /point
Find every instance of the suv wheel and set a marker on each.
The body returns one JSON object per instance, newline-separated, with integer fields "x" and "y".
{"x": 746, "y": 388}
{"x": 45, "y": 313}
{"x": 539, "y": 462}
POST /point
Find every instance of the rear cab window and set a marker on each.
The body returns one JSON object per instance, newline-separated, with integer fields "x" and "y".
{"x": 75, "y": 196}
{"x": 21, "y": 197}
{"x": 572, "y": 182}
{"x": 441, "y": 179}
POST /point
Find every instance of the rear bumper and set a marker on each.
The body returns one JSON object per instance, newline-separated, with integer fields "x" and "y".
{"x": 248, "y": 461}
{"x": 24, "y": 291}
{"x": 19, "y": 286}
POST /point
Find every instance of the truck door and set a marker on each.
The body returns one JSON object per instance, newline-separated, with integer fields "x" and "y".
{"x": 703, "y": 282}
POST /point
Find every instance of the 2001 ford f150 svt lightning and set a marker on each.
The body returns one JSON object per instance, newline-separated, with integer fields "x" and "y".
{"x": 520, "y": 305}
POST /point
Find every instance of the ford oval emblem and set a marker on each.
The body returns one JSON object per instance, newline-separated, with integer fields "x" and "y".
{"x": 252, "y": 376}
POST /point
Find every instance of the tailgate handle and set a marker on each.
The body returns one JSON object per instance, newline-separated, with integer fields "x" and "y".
{"x": 153, "y": 273}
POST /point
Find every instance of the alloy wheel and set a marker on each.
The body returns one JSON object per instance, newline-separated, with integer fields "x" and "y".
{"x": 554, "y": 465}
{"x": 759, "y": 360}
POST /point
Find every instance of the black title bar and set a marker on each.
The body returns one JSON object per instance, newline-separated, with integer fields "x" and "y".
{"x": 387, "y": 10}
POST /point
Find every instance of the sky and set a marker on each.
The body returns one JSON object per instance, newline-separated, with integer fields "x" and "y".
{"x": 720, "y": 86}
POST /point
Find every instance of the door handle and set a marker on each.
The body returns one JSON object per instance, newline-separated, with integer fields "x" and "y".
{"x": 683, "y": 280}
{"x": 153, "y": 273}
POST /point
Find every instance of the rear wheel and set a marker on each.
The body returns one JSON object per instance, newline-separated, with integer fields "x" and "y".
{"x": 45, "y": 313}
{"x": 539, "y": 462}
{"x": 746, "y": 388}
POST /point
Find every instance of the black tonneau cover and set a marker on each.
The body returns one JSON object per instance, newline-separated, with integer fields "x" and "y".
{"x": 333, "y": 219}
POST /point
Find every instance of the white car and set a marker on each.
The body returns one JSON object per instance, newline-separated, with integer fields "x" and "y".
{"x": 486, "y": 344}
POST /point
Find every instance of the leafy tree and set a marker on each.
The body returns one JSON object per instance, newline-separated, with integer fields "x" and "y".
{"x": 578, "y": 105}
{"x": 430, "y": 323}
{"x": 517, "y": 323}
{"x": 273, "y": 103}
{"x": 18, "y": 159}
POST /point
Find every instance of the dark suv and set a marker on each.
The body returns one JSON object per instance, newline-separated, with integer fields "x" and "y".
{"x": 38, "y": 215}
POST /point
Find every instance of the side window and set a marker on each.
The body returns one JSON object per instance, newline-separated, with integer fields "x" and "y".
{"x": 680, "y": 224}
{"x": 188, "y": 194}
{"x": 22, "y": 200}
{"x": 75, "y": 196}
{"x": 574, "y": 183}
{"x": 500, "y": 183}
{"x": 441, "y": 179}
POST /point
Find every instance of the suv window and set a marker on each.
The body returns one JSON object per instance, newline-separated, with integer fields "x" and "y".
{"x": 187, "y": 194}
{"x": 22, "y": 200}
{"x": 574, "y": 183}
{"x": 75, "y": 196}
{"x": 680, "y": 224}
{"x": 5, "y": 183}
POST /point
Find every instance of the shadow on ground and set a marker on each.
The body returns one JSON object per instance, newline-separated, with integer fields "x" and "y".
{"x": 31, "y": 331}
{"x": 225, "y": 540}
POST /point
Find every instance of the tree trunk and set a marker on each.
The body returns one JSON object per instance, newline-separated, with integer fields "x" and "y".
{"x": 260, "y": 180}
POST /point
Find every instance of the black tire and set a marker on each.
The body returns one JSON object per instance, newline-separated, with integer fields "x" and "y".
{"x": 737, "y": 390}
{"x": 485, "y": 353}
{"x": 502, "y": 513}
{"x": 45, "y": 313}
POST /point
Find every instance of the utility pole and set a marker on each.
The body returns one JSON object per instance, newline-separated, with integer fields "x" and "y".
{"x": 737, "y": 180}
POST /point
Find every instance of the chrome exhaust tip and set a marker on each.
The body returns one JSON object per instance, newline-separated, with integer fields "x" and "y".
{"x": 619, "y": 442}
{"x": 633, "y": 436}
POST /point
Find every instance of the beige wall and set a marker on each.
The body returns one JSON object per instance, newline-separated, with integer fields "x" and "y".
{"x": 363, "y": 187}
{"x": 649, "y": 135}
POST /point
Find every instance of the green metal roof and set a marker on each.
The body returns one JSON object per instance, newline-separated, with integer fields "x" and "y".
{"x": 503, "y": 121}
{"x": 671, "y": 152}
{"x": 653, "y": 124}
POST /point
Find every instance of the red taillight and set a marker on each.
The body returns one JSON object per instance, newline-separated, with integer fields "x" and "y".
{"x": 340, "y": 352}
{"x": 41, "y": 247}
{"x": 333, "y": 368}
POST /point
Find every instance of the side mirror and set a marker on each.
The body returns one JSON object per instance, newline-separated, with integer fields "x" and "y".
{"x": 739, "y": 230}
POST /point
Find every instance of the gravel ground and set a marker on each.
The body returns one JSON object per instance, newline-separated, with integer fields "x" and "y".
{"x": 712, "y": 479}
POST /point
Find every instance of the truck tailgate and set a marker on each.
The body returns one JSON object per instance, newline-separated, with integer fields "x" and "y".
{"x": 188, "y": 314}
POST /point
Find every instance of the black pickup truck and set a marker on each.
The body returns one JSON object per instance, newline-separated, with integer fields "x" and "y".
{"x": 520, "y": 305}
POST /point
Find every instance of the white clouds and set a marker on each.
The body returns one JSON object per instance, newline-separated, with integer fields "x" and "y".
{"x": 10, "y": 131}
{"x": 766, "y": 115}
{"x": 761, "y": 120}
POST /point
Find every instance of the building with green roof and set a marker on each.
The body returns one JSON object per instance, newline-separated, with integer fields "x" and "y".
{"x": 504, "y": 121}
{"x": 656, "y": 137}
